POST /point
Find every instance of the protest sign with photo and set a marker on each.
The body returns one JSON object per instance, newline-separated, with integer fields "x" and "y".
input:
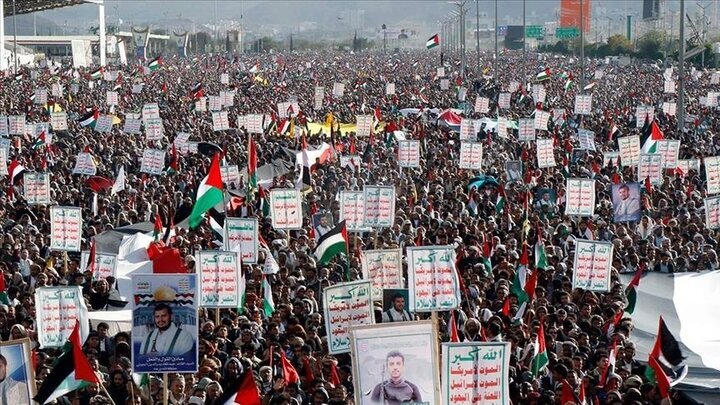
{"x": 19, "y": 381}
{"x": 626, "y": 202}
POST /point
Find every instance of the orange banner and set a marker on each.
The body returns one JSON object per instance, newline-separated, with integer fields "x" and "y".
{"x": 570, "y": 13}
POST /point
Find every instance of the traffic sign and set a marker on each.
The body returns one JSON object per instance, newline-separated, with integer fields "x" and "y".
{"x": 567, "y": 32}
{"x": 534, "y": 31}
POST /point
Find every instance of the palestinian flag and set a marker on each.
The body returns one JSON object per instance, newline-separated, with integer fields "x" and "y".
{"x": 668, "y": 357}
{"x": 243, "y": 392}
{"x": 569, "y": 83}
{"x": 252, "y": 166}
{"x": 650, "y": 138}
{"x": 197, "y": 91}
{"x": 209, "y": 193}
{"x": 71, "y": 372}
{"x": 331, "y": 244}
{"x": 544, "y": 75}
{"x": 501, "y": 200}
{"x": 268, "y": 302}
{"x": 540, "y": 360}
{"x": 40, "y": 140}
{"x": 433, "y": 42}
{"x": 518, "y": 285}
{"x": 155, "y": 64}
{"x": 97, "y": 74}
{"x": 631, "y": 291}
{"x": 89, "y": 119}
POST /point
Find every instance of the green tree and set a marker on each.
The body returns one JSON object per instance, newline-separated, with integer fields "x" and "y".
{"x": 649, "y": 46}
{"x": 618, "y": 45}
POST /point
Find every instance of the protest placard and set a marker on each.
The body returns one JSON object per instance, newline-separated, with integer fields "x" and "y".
{"x": 201, "y": 104}
{"x": 104, "y": 124}
{"x": 285, "y": 109}
{"x": 538, "y": 93}
{"x": 412, "y": 345}
{"x": 432, "y": 278}
{"x": 364, "y": 125}
{"x": 383, "y": 268}
{"x": 230, "y": 175}
{"x": 3, "y": 162}
{"x": 541, "y": 120}
{"x": 712, "y": 212}
{"x": 4, "y": 128}
{"x": 593, "y": 263}
{"x": 580, "y": 197}
{"x": 41, "y": 97}
{"x": 65, "y": 228}
{"x": 669, "y": 149}
{"x": 111, "y": 98}
{"x": 132, "y": 126}
{"x": 390, "y": 89}
{"x": 545, "y": 153}
{"x": 409, "y": 153}
{"x": 350, "y": 161}
{"x": 220, "y": 278}
{"x": 526, "y": 130}
{"x": 467, "y": 130}
{"x": 471, "y": 155}
{"x": 255, "y": 123}
{"x": 504, "y": 100}
{"x": 379, "y": 206}
{"x": 352, "y": 210}
{"x": 689, "y": 164}
{"x": 586, "y": 139}
{"x": 346, "y": 305}
{"x": 153, "y": 161}
{"x": 224, "y": 78}
{"x": 629, "y": 147}
{"x": 154, "y": 130}
{"x": 215, "y": 103}
{"x": 444, "y": 84}
{"x": 583, "y": 104}
{"x": 36, "y": 187}
{"x": 669, "y": 87}
{"x": 286, "y": 208}
{"x": 669, "y": 108}
{"x": 85, "y": 164}
{"x": 338, "y": 89}
{"x": 58, "y": 310}
{"x": 712, "y": 174}
{"x": 440, "y": 72}
{"x": 167, "y": 303}
{"x": 318, "y": 97}
{"x": 105, "y": 264}
{"x": 643, "y": 112}
{"x": 650, "y": 166}
{"x": 476, "y": 373}
{"x": 241, "y": 235}
{"x": 16, "y": 124}
{"x": 220, "y": 121}
{"x": 58, "y": 120}
{"x": 150, "y": 110}
{"x": 482, "y": 105}
{"x": 502, "y": 125}
{"x": 56, "y": 90}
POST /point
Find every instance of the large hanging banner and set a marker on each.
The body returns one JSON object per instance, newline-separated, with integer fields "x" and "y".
{"x": 383, "y": 268}
{"x": 352, "y": 210}
{"x": 241, "y": 235}
{"x": 36, "y": 187}
{"x": 593, "y": 264}
{"x": 580, "y": 197}
{"x": 65, "y": 228}
{"x": 346, "y": 305}
{"x": 286, "y": 208}
{"x": 58, "y": 309}
{"x": 476, "y": 373}
{"x": 379, "y": 206}
{"x": 387, "y": 355}
{"x": 219, "y": 273}
{"x": 141, "y": 37}
{"x": 432, "y": 278}
{"x": 165, "y": 323}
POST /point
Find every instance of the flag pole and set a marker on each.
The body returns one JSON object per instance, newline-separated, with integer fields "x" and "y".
{"x": 166, "y": 389}
{"x": 104, "y": 390}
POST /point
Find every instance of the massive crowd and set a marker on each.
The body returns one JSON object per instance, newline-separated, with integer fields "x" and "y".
{"x": 433, "y": 207}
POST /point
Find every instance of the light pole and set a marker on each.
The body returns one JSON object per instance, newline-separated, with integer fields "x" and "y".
{"x": 681, "y": 73}
{"x": 495, "y": 62}
{"x": 582, "y": 48}
{"x": 384, "y": 28}
{"x": 461, "y": 34}
{"x": 524, "y": 62}
{"x": 102, "y": 46}
{"x": 477, "y": 39}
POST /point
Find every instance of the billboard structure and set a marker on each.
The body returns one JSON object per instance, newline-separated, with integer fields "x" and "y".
{"x": 571, "y": 12}
{"x": 651, "y": 10}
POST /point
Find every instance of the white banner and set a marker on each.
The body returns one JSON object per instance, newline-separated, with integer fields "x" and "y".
{"x": 286, "y": 208}
{"x": 36, "y": 188}
{"x": 224, "y": 78}
{"x": 352, "y": 210}
{"x": 255, "y": 123}
{"x": 132, "y": 126}
{"x": 629, "y": 147}
{"x": 364, "y": 125}
{"x": 432, "y": 278}
{"x": 712, "y": 212}
{"x": 220, "y": 121}
{"x": 16, "y": 124}
{"x": 58, "y": 310}
{"x": 104, "y": 124}
{"x": 338, "y": 89}
{"x": 471, "y": 155}
{"x": 4, "y": 128}
{"x": 220, "y": 279}
{"x": 409, "y": 153}
{"x": 504, "y": 100}
{"x": 150, "y": 110}
{"x": 586, "y": 139}
{"x": 379, "y": 206}
{"x": 580, "y": 197}
{"x": 241, "y": 235}
{"x": 85, "y": 165}
{"x": 712, "y": 174}
{"x": 467, "y": 130}
{"x": 670, "y": 108}
{"x": 541, "y": 120}
{"x": 319, "y": 97}
{"x": 3, "y": 161}
{"x": 583, "y": 104}
{"x": 643, "y": 111}
{"x": 538, "y": 93}
{"x": 105, "y": 264}
{"x": 153, "y": 161}
{"x": 669, "y": 149}
{"x": 545, "y": 153}
{"x": 390, "y": 89}
{"x": 215, "y": 103}
{"x": 689, "y": 164}
{"x": 669, "y": 87}
{"x": 444, "y": 84}
{"x": 154, "y": 130}
{"x": 476, "y": 373}
{"x": 650, "y": 165}
{"x": 59, "y": 122}
{"x": 346, "y": 305}
{"x": 593, "y": 263}
{"x": 482, "y": 105}
{"x": 526, "y": 130}
{"x": 65, "y": 228}
{"x": 383, "y": 268}
{"x": 111, "y": 98}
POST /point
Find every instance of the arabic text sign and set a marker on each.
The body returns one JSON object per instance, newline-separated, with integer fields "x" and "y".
{"x": 153, "y": 129}
{"x": 586, "y": 139}
{"x": 541, "y": 120}
{"x": 580, "y": 197}
{"x": 364, "y": 125}
{"x": 105, "y": 264}
{"x": 669, "y": 108}
{"x": 526, "y": 130}
{"x": 65, "y": 228}
{"x": 153, "y": 161}
{"x": 219, "y": 278}
{"x": 346, "y": 305}
{"x": 467, "y": 130}
{"x": 37, "y": 188}
{"x": 220, "y": 121}
{"x": 545, "y": 153}
{"x": 150, "y": 110}
{"x": 712, "y": 212}
{"x": 689, "y": 164}
{"x": 338, "y": 89}
{"x": 241, "y": 235}
{"x": 642, "y": 112}
{"x": 352, "y": 210}
{"x": 629, "y": 147}
{"x": 286, "y": 208}
{"x": 230, "y": 175}
{"x": 650, "y": 165}
{"x": 409, "y": 153}
{"x": 379, "y": 206}
{"x": 58, "y": 120}
{"x": 132, "y": 126}
{"x": 593, "y": 262}
{"x": 476, "y": 373}
{"x": 112, "y": 98}
{"x": 16, "y": 124}
{"x": 471, "y": 155}
{"x": 583, "y": 104}
{"x": 482, "y": 104}
{"x": 669, "y": 150}
{"x": 712, "y": 174}
{"x": 58, "y": 308}
{"x": 383, "y": 268}
{"x": 432, "y": 278}
{"x": 504, "y": 100}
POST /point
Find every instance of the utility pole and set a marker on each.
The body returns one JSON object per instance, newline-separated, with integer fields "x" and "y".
{"x": 14, "y": 37}
{"x": 477, "y": 39}
{"x": 495, "y": 62}
{"x": 582, "y": 48}
{"x": 524, "y": 62}
{"x": 462, "y": 39}
{"x": 681, "y": 73}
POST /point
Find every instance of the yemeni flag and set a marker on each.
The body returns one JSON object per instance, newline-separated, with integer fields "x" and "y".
{"x": 331, "y": 244}
{"x": 433, "y": 42}
{"x": 668, "y": 357}
{"x": 501, "y": 200}
{"x": 631, "y": 291}
{"x": 155, "y": 64}
{"x": 243, "y": 391}
{"x": 651, "y": 137}
{"x": 252, "y": 165}
{"x": 209, "y": 193}
{"x": 97, "y": 74}
{"x": 544, "y": 75}
{"x": 72, "y": 371}
{"x": 268, "y": 303}
{"x": 540, "y": 360}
